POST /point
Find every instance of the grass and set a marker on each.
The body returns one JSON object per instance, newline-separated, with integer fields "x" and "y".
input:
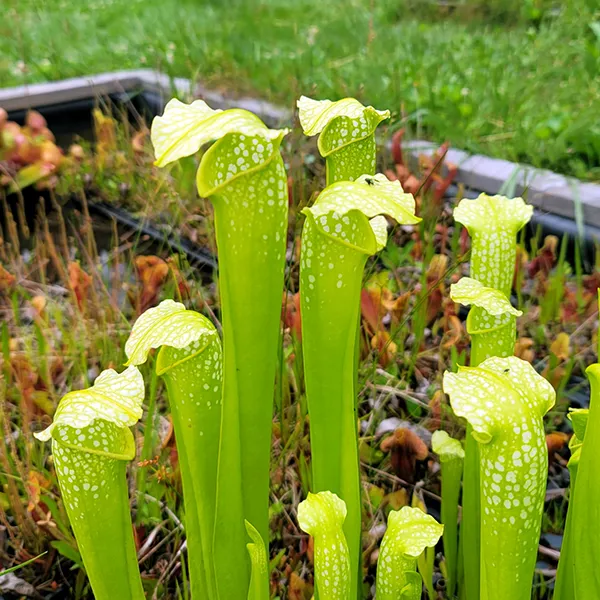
{"x": 510, "y": 79}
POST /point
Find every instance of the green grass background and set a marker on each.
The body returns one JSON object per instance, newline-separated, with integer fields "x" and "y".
{"x": 516, "y": 79}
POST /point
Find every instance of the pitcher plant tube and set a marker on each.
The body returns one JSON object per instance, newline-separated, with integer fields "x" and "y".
{"x": 504, "y": 400}
{"x": 564, "y": 587}
{"x": 491, "y": 322}
{"x": 190, "y": 363}
{"x": 409, "y": 532}
{"x": 451, "y": 455}
{"x": 322, "y": 516}
{"x": 493, "y": 223}
{"x": 347, "y": 135}
{"x": 91, "y": 445}
{"x": 243, "y": 175}
{"x": 342, "y": 229}
{"x": 586, "y": 516}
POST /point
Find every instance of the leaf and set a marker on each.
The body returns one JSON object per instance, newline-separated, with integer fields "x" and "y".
{"x": 29, "y": 175}
{"x": 370, "y": 195}
{"x": 385, "y": 347}
{"x": 486, "y": 395}
{"x": 445, "y": 447}
{"x": 91, "y": 441}
{"x": 79, "y": 282}
{"x": 499, "y": 212}
{"x": 190, "y": 362}
{"x": 586, "y": 521}
{"x": 243, "y": 175}
{"x": 322, "y": 516}
{"x": 152, "y": 272}
{"x": 406, "y": 447}
{"x": 504, "y": 400}
{"x": 561, "y": 346}
{"x": 184, "y": 128}
{"x": 469, "y": 291}
{"x": 579, "y": 419}
{"x": 347, "y": 139}
{"x": 23, "y": 564}
{"x": 114, "y": 398}
{"x": 409, "y": 532}
{"x": 168, "y": 324}
{"x": 315, "y": 115}
{"x": 336, "y": 240}
{"x": 493, "y": 223}
{"x": 68, "y": 552}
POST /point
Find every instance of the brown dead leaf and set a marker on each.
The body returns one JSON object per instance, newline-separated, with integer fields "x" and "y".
{"x": 79, "y": 282}
{"x": 7, "y": 280}
{"x": 435, "y": 284}
{"x": 453, "y": 332}
{"x": 396, "y": 500}
{"x": 561, "y": 346}
{"x": 405, "y": 448}
{"x": 385, "y": 347}
{"x": 298, "y": 588}
{"x": 556, "y": 442}
{"x": 546, "y": 258}
{"x": 524, "y": 349}
{"x": 38, "y": 303}
{"x": 152, "y": 272}
{"x": 138, "y": 141}
{"x": 36, "y": 482}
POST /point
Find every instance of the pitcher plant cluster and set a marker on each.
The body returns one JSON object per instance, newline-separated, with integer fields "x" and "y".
{"x": 221, "y": 390}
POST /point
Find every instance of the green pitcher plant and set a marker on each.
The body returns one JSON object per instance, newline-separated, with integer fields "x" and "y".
{"x": 491, "y": 322}
{"x": 322, "y": 516}
{"x": 586, "y": 516}
{"x": 504, "y": 400}
{"x": 451, "y": 454}
{"x": 91, "y": 446}
{"x": 347, "y": 135}
{"x": 493, "y": 223}
{"x": 342, "y": 229}
{"x": 243, "y": 175}
{"x": 564, "y": 587}
{"x": 409, "y": 532}
{"x": 190, "y": 363}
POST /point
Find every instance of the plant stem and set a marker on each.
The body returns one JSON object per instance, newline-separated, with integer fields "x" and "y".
{"x": 97, "y": 505}
{"x": 329, "y": 323}
{"x": 251, "y": 224}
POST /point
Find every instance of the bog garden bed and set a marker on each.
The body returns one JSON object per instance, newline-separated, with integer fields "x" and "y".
{"x": 71, "y": 283}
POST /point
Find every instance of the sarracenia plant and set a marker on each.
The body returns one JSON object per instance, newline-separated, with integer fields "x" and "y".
{"x": 322, "y": 516}
{"x": 564, "y": 587}
{"x": 347, "y": 140}
{"x": 260, "y": 566}
{"x": 409, "y": 532}
{"x": 91, "y": 445}
{"x": 451, "y": 455}
{"x": 342, "y": 229}
{"x": 586, "y": 515}
{"x": 190, "y": 363}
{"x": 493, "y": 223}
{"x": 244, "y": 176}
{"x": 504, "y": 400}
